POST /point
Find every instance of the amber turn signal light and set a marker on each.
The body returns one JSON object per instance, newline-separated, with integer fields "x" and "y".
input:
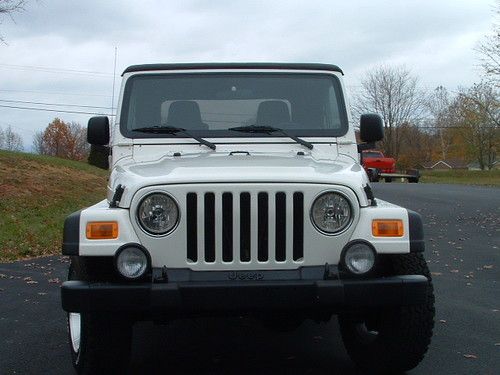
{"x": 102, "y": 230}
{"x": 387, "y": 228}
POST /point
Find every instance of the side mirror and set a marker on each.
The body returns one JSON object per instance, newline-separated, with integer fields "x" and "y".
{"x": 371, "y": 128}
{"x": 98, "y": 131}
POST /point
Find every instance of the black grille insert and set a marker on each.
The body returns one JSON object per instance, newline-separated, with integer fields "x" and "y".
{"x": 263, "y": 227}
{"x": 227, "y": 227}
{"x": 192, "y": 226}
{"x": 209, "y": 227}
{"x": 298, "y": 226}
{"x": 280, "y": 227}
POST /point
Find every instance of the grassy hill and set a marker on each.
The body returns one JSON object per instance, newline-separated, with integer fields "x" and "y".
{"x": 36, "y": 194}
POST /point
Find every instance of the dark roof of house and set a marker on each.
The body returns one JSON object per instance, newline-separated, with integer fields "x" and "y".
{"x": 452, "y": 164}
{"x": 199, "y": 66}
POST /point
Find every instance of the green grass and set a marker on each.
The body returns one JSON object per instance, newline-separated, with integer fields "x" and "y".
{"x": 36, "y": 194}
{"x": 464, "y": 177}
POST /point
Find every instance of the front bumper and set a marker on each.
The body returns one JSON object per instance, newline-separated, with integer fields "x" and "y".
{"x": 249, "y": 295}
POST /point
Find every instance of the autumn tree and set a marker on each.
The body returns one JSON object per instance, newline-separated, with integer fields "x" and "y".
{"x": 477, "y": 112}
{"x": 393, "y": 93}
{"x": 10, "y": 140}
{"x": 64, "y": 140}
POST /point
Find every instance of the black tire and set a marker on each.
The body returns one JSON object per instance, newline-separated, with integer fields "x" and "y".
{"x": 392, "y": 340}
{"x": 388, "y": 179}
{"x": 282, "y": 322}
{"x": 373, "y": 175}
{"x": 413, "y": 180}
{"x": 105, "y": 339}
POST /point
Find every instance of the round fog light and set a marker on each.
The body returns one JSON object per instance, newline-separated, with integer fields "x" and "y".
{"x": 131, "y": 262}
{"x": 359, "y": 258}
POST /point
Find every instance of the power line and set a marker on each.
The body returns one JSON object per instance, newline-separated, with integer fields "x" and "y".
{"x": 55, "y": 93}
{"x": 45, "y": 69}
{"x": 55, "y": 110}
{"x": 53, "y": 104}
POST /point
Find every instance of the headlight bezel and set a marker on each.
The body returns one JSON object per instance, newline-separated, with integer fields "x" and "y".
{"x": 138, "y": 247}
{"x": 143, "y": 227}
{"x": 351, "y": 212}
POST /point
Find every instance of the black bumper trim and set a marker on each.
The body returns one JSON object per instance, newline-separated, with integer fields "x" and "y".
{"x": 334, "y": 295}
{"x": 71, "y": 234}
{"x": 417, "y": 243}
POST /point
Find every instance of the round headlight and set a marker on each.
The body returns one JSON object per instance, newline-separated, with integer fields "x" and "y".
{"x": 158, "y": 213}
{"x": 132, "y": 262}
{"x": 331, "y": 212}
{"x": 359, "y": 258}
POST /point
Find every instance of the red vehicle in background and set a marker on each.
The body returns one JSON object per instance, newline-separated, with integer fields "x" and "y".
{"x": 376, "y": 159}
{"x": 378, "y": 166}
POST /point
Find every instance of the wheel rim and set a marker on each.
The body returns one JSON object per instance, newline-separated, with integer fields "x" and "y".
{"x": 75, "y": 330}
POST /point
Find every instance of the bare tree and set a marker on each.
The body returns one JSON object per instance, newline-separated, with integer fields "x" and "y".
{"x": 489, "y": 52}
{"x": 11, "y": 140}
{"x": 79, "y": 148}
{"x": 393, "y": 93}
{"x": 9, "y": 7}
{"x": 438, "y": 104}
{"x": 38, "y": 145}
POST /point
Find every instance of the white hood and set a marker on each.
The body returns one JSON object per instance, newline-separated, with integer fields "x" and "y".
{"x": 225, "y": 168}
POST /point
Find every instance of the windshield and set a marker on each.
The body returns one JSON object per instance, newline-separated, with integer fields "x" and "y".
{"x": 208, "y": 105}
{"x": 372, "y": 154}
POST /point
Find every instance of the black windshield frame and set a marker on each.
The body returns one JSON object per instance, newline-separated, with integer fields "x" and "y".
{"x": 330, "y": 133}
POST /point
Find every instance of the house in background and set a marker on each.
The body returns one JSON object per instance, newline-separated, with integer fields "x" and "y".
{"x": 443, "y": 165}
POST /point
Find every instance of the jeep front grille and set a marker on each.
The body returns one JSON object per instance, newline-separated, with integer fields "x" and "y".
{"x": 245, "y": 227}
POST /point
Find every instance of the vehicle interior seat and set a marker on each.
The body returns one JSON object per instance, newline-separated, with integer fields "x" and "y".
{"x": 273, "y": 113}
{"x": 185, "y": 114}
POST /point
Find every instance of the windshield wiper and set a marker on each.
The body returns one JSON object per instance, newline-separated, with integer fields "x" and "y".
{"x": 271, "y": 129}
{"x": 163, "y": 129}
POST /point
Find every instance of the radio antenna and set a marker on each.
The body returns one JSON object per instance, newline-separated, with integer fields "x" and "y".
{"x": 114, "y": 79}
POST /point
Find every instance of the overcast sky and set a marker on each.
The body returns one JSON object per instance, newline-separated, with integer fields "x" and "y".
{"x": 54, "y": 44}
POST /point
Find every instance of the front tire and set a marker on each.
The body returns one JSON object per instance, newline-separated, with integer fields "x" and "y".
{"x": 99, "y": 342}
{"x": 396, "y": 339}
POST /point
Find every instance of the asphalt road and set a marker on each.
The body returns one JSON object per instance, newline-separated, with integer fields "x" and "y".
{"x": 463, "y": 248}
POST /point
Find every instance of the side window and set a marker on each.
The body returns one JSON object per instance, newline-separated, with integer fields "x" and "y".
{"x": 331, "y": 111}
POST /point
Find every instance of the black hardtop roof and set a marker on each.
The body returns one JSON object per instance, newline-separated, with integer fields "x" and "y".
{"x": 206, "y": 66}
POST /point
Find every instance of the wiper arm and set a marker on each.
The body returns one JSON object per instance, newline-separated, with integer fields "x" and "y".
{"x": 271, "y": 129}
{"x": 173, "y": 130}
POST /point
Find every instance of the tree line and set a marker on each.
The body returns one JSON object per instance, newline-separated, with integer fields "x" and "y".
{"x": 425, "y": 126}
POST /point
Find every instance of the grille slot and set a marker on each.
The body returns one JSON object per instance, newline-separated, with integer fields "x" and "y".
{"x": 209, "y": 227}
{"x": 227, "y": 227}
{"x": 263, "y": 240}
{"x": 245, "y": 235}
{"x": 298, "y": 226}
{"x": 244, "y": 227}
{"x": 192, "y": 229}
{"x": 280, "y": 227}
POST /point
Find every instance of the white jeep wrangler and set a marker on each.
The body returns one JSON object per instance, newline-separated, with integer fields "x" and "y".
{"x": 236, "y": 189}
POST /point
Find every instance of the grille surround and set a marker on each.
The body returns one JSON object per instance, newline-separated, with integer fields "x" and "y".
{"x": 170, "y": 251}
